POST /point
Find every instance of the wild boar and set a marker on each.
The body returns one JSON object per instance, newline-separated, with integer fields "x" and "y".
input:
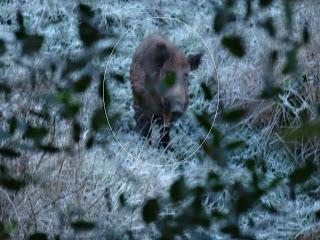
{"x": 159, "y": 82}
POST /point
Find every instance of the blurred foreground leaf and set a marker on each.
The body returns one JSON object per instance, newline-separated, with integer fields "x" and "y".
{"x": 234, "y": 44}
{"x": 303, "y": 173}
{"x": 178, "y": 190}
{"x": 306, "y": 131}
{"x": 233, "y": 115}
{"x": 151, "y": 210}
{"x": 38, "y": 236}
{"x": 82, "y": 225}
{"x": 9, "y": 152}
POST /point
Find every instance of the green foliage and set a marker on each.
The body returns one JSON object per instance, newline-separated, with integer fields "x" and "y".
{"x": 38, "y": 236}
{"x": 12, "y": 124}
{"x": 88, "y": 33}
{"x": 269, "y": 27}
{"x": 151, "y": 210}
{"x": 98, "y": 119}
{"x": 302, "y": 174}
{"x": 5, "y": 88}
{"x": 12, "y": 184}
{"x": 7, "y": 229}
{"x": 82, "y": 83}
{"x": 291, "y": 63}
{"x": 82, "y": 225}
{"x": 265, "y": 3}
{"x": 207, "y": 93}
{"x": 35, "y": 133}
{"x": 169, "y": 80}
{"x": 9, "y": 152}
{"x": 222, "y": 18}
{"x": 234, "y": 44}
{"x": 178, "y": 190}
{"x": 305, "y": 34}
{"x": 234, "y": 115}
{"x": 306, "y": 131}
{"x": 76, "y": 131}
{"x": 122, "y": 200}
{"x": 2, "y": 46}
{"x": 31, "y": 43}
{"x": 118, "y": 77}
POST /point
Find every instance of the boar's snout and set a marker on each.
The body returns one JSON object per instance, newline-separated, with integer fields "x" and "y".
{"x": 174, "y": 107}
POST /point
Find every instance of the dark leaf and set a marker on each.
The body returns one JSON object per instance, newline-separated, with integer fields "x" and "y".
{"x": 5, "y": 88}
{"x": 32, "y": 44}
{"x": 89, "y": 142}
{"x": 302, "y": 174}
{"x": 70, "y": 109}
{"x": 250, "y": 164}
{"x": 8, "y": 152}
{"x": 178, "y": 190}
{"x": 291, "y": 61}
{"x": 35, "y": 133}
{"x": 305, "y": 34}
{"x": 76, "y": 131}
{"x": 48, "y": 148}
{"x": 2, "y": 47}
{"x": 273, "y": 57}
{"x": 218, "y": 214}
{"x": 88, "y": 33}
{"x": 203, "y": 119}
{"x": 231, "y": 229}
{"x": 288, "y": 13}
{"x": 265, "y": 3}
{"x": 82, "y": 225}
{"x": 151, "y": 210}
{"x": 20, "y": 33}
{"x": 169, "y": 79}
{"x": 234, "y": 44}
{"x": 235, "y": 144}
{"x": 248, "y": 9}
{"x": 269, "y": 208}
{"x": 317, "y": 214}
{"x": 82, "y": 84}
{"x": 233, "y": 115}
{"x": 98, "y": 119}
{"x": 206, "y": 91}
{"x": 118, "y": 77}
{"x": 270, "y": 92}
{"x": 12, "y": 184}
{"x": 38, "y": 236}
{"x": 122, "y": 200}
{"x": 106, "y": 52}
{"x": 113, "y": 119}
{"x": 221, "y": 19}
{"x": 85, "y": 10}
{"x": 73, "y": 65}
{"x": 12, "y": 124}
{"x": 56, "y": 237}
{"x": 268, "y": 26}
{"x": 41, "y": 114}
{"x": 306, "y": 131}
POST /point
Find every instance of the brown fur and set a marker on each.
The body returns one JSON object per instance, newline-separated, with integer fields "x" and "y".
{"x": 155, "y": 57}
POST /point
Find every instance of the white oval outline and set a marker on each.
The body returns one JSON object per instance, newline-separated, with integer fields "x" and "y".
{"x": 218, "y": 91}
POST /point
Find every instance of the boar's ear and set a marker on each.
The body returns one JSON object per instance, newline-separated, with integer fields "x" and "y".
{"x": 194, "y": 61}
{"x": 161, "y": 54}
